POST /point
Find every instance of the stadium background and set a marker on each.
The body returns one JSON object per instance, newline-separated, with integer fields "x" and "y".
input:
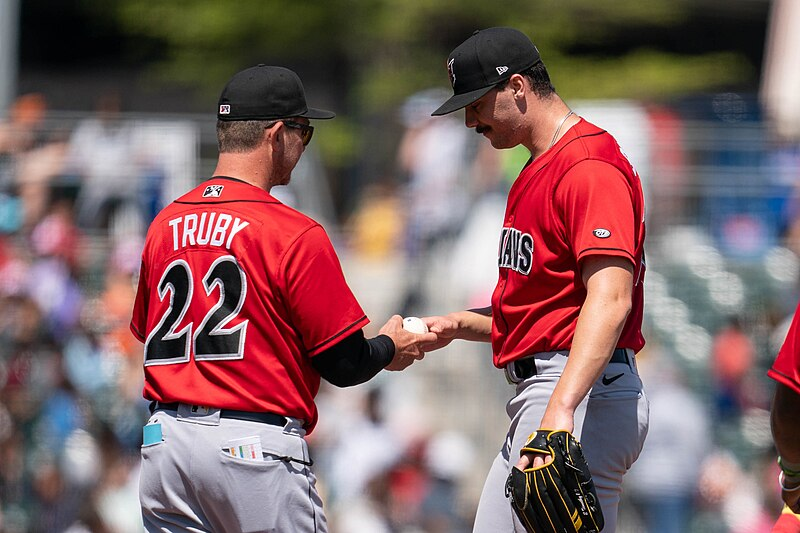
{"x": 107, "y": 113}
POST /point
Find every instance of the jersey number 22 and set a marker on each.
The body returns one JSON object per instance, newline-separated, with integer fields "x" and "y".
{"x": 211, "y": 339}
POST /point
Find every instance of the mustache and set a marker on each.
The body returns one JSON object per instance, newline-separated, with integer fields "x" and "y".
{"x": 480, "y": 129}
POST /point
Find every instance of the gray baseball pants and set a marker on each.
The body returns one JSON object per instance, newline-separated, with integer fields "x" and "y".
{"x": 191, "y": 481}
{"x": 611, "y": 424}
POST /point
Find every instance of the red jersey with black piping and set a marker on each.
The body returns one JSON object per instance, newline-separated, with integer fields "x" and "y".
{"x": 580, "y": 198}
{"x": 237, "y": 292}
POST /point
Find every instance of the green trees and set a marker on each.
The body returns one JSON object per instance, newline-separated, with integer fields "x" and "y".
{"x": 382, "y": 50}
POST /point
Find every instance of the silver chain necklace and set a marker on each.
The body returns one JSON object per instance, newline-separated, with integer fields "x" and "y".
{"x": 555, "y": 135}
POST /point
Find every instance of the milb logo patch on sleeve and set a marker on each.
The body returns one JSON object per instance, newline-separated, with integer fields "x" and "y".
{"x": 601, "y": 233}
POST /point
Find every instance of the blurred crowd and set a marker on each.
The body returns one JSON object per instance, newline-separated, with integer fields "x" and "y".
{"x": 74, "y": 204}
{"x": 70, "y": 372}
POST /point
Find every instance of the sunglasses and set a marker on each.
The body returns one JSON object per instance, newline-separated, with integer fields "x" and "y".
{"x": 306, "y": 131}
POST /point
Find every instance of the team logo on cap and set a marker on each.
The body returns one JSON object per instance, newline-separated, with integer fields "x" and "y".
{"x": 224, "y": 109}
{"x": 501, "y": 70}
{"x": 601, "y": 233}
{"x": 213, "y": 191}
{"x": 451, "y": 71}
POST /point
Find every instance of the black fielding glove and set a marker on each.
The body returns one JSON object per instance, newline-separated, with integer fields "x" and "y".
{"x": 560, "y": 496}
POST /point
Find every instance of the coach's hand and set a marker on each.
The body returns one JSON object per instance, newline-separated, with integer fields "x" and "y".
{"x": 408, "y": 347}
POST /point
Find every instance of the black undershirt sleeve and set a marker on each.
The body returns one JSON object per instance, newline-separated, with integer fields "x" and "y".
{"x": 354, "y": 360}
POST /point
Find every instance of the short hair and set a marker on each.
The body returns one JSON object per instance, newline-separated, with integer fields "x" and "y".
{"x": 539, "y": 79}
{"x": 240, "y": 135}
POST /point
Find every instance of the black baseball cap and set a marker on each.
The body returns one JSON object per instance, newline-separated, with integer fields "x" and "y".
{"x": 265, "y": 92}
{"x": 487, "y": 58}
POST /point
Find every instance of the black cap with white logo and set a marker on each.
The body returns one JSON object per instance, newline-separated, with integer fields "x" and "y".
{"x": 487, "y": 58}
{"x": 264, "y": 92}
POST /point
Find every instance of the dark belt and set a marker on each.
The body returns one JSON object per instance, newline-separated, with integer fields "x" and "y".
{"x": 525, "y": 368}
{"x": 265, "y": 418}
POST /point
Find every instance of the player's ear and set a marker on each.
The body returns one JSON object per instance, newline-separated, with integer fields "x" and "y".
{"x": 517, "y": 84}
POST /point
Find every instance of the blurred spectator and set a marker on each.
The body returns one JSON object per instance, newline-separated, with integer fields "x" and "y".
{"x": 446, "y": 456}
{"x": 364, "y": 449}
{"x": 732, "y": 496}
{"x": 53, "y": 284}
{"x": 669, "y": 165}
{"x": 663, "y": 481}
{"x": 433, "y": 157}
{"x": 20, "y": 130}
{"x": 377, "y": 224}
{"x": 385, "y": 476}
{"x": 404, "y": 487}
{"x": 733, "y": 355}
{"x": 31, "y": 158}
{"x": 473, "y": 263}
{"x": 102, "y": 157}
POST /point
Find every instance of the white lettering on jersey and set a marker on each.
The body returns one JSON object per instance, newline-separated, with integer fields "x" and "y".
{"x": 223, "y": 222}
{"x": 238, "y": 225}
{"x": 203, "y": 238}
{"x": 189, "y": 227}
{"x": 516, "y": 251}
{"x": 216, "y": 229}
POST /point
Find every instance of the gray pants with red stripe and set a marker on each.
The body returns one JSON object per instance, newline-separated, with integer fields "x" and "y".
{"x": 191, "y": 481}
{"x": 611, "y": 424}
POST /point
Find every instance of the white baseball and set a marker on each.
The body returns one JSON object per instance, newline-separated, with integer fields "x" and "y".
{"x": 414, "y": 325}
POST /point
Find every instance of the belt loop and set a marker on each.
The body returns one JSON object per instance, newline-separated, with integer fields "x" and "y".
{"x": 509, "y": 371}
{"x": 519, "y": 370}
{"x": 622, "y": 355}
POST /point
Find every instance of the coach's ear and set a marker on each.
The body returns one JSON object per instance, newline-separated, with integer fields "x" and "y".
{"x": 273, "y": 135}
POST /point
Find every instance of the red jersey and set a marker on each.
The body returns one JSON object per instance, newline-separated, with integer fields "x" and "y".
{"x": 236, "y": 293}
{"x": 580, "y": 198}
{"x": 786, "y": 368}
